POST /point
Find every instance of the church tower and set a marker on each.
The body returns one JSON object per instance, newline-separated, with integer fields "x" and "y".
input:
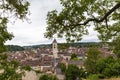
{"x": 55, "y": 49}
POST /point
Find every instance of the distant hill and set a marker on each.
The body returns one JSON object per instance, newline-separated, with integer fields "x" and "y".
{"x": 15, "y": 48}
{"x": 61, "y": 45}
{"x": 86, "y": 44}
{"x": 38, "y": 46}
{"x": 81, "y": 44}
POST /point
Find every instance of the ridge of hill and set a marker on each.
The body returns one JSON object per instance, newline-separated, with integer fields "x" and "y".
{"x": 15, "y": 48}
{"x": 78, "y": 44}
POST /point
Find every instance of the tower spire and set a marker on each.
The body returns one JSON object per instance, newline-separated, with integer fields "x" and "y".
{"x": 54, "y": 41}
{"x": 55, "y": 49}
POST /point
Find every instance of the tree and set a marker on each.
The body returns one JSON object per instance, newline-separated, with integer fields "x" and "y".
{"x": 48, "y": 77}
{"x": 76, "y": 16}
{"x": 44, "y": 77}
{"x": 10, "y": 9}
{"x": 116, "y": 48}
{"x": 63, "y": 67}
{"x": 73, "y": 57}
{"x": 93, "y": 55}
{"x": 14, "y": 48}
{"x": 11, "y": 69}
{"x": 93, "y": 77}
{"x": 106, "y": 67}
{"x": 73, "y": 73}
{"x": 111, "y": 68}
{"x": 53, "y": 77}
{"x": 63, "y": 46}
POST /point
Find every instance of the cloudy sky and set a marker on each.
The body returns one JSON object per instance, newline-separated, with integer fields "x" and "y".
{"x": 32, "y": 33}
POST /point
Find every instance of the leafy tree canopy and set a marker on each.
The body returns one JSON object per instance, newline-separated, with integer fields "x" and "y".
{"x": 63, "y": 46}
{"x": 108, "y": 67}
{"x": 116, "y": 44}
{"x": 63, "y": 67}
{"x": 48, "y": 77}
{"x": 74, "y": 73}
{"x": 10, "y": 9}
{"x": 10, "y": 70}
{"x": 77, "y": 16}
{"x": 74, "y": 56}
{"x": 14, "y": 48}
{"x": 93, "y": 55}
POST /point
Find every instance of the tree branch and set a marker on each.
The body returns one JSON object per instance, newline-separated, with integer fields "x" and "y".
{"x": 106, "y": 23}
{"x": 103, "y": 18}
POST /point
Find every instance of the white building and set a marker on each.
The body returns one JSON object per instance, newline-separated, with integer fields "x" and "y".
{"x": 55, "y": 49}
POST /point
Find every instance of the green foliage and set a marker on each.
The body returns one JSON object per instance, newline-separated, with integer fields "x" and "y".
{"x": 75, "y": 59}
{"x": 111, "y": 67}
{"x": 63, "y": 46}
{"x": 14, "y": 48}
{"x": 93, "y": 77}
{"x": 73, "y": 73}
{"x": 44, "y": 77}
{"x": 103, "y": 67}
{"x": 27, "y": 68}
{"x": 15, "y": 9}
{"x": 85, "y": 44}
{"x": 116, "y": 44}
{"x": 37, "y": 71}
{"x": 63, "y": 67}
{"x": 73, "y": 56}
{"x": 10, "y": 9}
{"x": 106, "y": 67}
{"x": 48, "y": 77}
{"x": 19, "y": 8}
{"x": 76, "y": 16}
{"x": 38, "y": 46}
{"x": 4, "y": 35}
{"x": 11, "y": 70}
{"x": 93, "y": 55}
{"x": 53, "y": 77}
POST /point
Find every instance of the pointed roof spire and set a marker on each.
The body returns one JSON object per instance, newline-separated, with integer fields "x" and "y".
{"x": 54, "y": 41}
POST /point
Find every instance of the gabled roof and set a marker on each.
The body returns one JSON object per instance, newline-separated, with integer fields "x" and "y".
{"x": 77, "y": 62}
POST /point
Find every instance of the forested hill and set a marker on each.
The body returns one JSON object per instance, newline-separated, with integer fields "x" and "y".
{"x": 15, "y": 48}
{"x": 82, "y": 44}
{"x": 85, "y": 44}
{"x": 38, "y": 46}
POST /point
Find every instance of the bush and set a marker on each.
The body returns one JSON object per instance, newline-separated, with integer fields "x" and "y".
{"x": 37, "y": 71}
{"x": 48, "y": 77}
{"x": 93, "y": 77}
{"x": 63, "y": 67}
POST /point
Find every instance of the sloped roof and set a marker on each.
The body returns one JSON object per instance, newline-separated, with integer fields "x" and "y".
{"x": 77, "y": 62}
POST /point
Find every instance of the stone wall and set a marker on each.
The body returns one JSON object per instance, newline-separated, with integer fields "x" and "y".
{"x": 30, "y": 75}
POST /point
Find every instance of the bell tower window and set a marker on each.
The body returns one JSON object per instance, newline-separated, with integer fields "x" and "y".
{"x": 54, "y": 46}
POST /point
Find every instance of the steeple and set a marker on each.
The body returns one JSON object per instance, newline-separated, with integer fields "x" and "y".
{"x": 55, "y": 54}
{"x": 55, "y": 48}
{"x": 54, "y": 41}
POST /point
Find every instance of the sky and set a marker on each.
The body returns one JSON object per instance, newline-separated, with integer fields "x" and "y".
{"x": 31, "y": 32}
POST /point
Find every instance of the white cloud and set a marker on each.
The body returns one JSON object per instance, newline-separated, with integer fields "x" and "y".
{"x": 92, "y": 37}
{"x": 32, "y": 34}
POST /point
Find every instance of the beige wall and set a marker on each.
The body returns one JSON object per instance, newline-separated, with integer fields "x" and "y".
{"x": 31, "y": 75}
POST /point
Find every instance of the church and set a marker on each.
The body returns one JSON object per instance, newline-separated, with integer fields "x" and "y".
{"x": 51, "y": 65}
